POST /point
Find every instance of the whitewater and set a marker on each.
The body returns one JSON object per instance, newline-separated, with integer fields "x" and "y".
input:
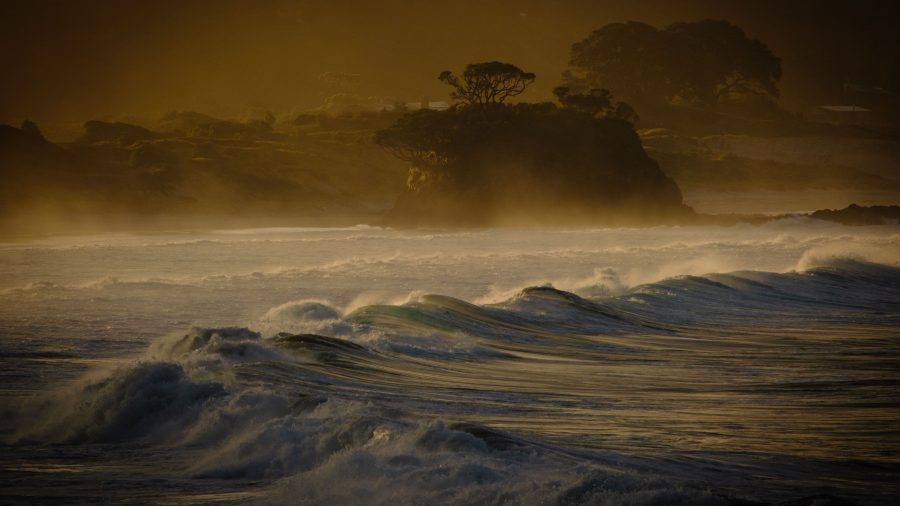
{"x": 667, "y": 365}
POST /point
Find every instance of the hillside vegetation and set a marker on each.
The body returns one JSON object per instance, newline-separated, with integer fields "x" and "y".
{"x": 193, "y": 166}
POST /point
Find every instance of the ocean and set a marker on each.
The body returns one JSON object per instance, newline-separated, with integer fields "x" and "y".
{"x": 654, "y": 366}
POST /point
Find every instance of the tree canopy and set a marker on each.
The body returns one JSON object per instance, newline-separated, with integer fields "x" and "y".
{"x": 423, "y": 138}
{"x": 706, "y": 62}
{"x": 597, "y": 102}
{"x": 487, "y": 83}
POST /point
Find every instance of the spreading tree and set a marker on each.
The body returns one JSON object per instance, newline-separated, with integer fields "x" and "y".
{"x": 487, "y": 83}
{"x": 706, "y": 62}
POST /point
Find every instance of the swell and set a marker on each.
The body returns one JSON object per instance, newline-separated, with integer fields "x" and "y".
{"x": 710, "y": 255}
{"x": 679, "y": 391}
{"x": 844, "y": 290}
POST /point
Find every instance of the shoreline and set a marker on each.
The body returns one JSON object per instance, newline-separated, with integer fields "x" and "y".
{"x": 20, "y": 230}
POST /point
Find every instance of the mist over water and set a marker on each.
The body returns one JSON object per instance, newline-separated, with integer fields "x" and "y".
{"x": 670, "y": 365}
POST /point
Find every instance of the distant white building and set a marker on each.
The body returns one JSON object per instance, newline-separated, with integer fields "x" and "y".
{"x": 865, "y": 88}
{"x": 843, "y": 108}
{"x": 841, "y": 113}
{"x": 382, "y": 106}
{"x": 438, "y": 105}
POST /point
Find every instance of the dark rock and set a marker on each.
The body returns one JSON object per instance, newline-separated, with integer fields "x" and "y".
{"x": 122, "y": 133}
{"x": 860, "y": 215}
{"x": 528, "y": 164}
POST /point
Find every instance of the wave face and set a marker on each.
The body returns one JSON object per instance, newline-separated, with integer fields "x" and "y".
{"x": 597, "y": 388}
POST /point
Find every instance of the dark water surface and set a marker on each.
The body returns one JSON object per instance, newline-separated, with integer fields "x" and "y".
{"x": 366, "y": 366}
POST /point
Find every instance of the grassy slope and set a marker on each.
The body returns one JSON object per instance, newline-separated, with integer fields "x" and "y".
{"x": 193, "y": 169}
{"x": 731, "y": 163}
{"x": 299, "y": 176}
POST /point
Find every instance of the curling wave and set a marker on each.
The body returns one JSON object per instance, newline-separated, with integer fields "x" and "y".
{"x": 682, "y": 391}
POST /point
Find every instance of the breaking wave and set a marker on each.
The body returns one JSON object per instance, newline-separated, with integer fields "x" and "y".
{"x": 644, "y": 395}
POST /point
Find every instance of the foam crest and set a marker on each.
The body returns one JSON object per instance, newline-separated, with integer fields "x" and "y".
{"x": 846, "y": 253}
{"x": 145, "y": 400}
{"x": 304, "y": 316}
{"x": 542, "y": 394}
{"x": 460, "y": 464}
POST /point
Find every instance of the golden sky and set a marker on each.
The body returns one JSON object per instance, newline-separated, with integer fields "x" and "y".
{"x": 71, "y": 60}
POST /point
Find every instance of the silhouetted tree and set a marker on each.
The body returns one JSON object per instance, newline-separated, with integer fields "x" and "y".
{"x": 705, "y": 61}
{"x": 31, "y": 128}
{"x": 422, "y": 138}
{"x": 718, "y": 61}
{"x": 627, "y": 58}
{"x": 487, "y": 83}
{"x": 597, "y": 102}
